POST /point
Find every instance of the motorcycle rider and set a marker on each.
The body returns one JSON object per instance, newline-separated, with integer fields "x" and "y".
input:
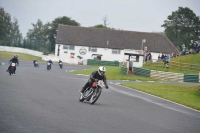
{"x": 166, "y": 60}
{"x": 95, "y": 76}
{"x": 34, "y": 63}
{"x": 13, "y": 60}
{"x": 60, "y": 63}
{"x": 50, "y": 62}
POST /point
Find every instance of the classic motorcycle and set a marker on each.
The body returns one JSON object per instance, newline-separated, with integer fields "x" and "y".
{"x": 61, "y": 65}
{"x": 92, "y": 93}
{"x": 48, "y": 66}
{"x": 12, "y": 68}
{"x": 36, "y": 64}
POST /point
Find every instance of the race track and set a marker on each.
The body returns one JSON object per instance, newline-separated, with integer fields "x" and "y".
{"x": 35, "y": 100}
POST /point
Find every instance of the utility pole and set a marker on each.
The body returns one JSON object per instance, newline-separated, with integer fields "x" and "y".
{"x": 105, "y": 19}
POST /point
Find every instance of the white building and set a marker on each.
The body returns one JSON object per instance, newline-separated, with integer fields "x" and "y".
{"x": 73, "y": 42}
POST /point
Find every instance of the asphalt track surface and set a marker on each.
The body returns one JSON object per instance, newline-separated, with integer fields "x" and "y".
{"x": 35, "y": 100}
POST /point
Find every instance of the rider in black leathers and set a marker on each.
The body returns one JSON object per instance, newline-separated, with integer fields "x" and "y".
{"x": 13, "y": 60}
{"x": 95, "y": 76}
{"x": 60, "y": 61}
{"x": 50, "y": 63}
{"x": 34, "y": 61}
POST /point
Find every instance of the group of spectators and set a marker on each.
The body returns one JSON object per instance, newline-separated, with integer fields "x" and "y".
{"x": 195, "y": 48}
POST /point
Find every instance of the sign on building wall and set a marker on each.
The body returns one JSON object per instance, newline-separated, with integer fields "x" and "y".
{"x": 82, "y": 51}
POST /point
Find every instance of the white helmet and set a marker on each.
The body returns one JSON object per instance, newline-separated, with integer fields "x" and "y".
{"x": 101, "y": 69}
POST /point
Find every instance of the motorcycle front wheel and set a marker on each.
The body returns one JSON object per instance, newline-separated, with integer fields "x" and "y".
{"x": 95, "y": 95}
{"x": 81, "y": 98}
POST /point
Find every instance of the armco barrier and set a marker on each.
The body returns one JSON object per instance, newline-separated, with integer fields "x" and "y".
{"x": 102, "y": 63}
{"x": 124, "y": 71}
{"x": 141, "y": 71}
{"x": 191, "y": 78}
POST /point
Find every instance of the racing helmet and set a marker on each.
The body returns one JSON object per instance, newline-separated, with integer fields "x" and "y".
{"x": 15, "y": 56}
{"x": 101, "y": 70}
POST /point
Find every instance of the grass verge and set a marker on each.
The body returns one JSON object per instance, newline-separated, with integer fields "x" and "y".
{"x": 21, "y": 56}
{"x": 114, "y": 73}
{"x": 185, "y": 95}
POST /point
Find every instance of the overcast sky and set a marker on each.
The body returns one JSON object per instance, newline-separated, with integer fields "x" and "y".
{"x": 131, "y": 15}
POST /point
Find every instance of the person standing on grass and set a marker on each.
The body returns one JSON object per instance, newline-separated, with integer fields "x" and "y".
{"x": 183, "y": 49}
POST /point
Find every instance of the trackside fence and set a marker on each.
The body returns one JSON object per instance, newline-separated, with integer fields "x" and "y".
{"x": 178, "y": 77}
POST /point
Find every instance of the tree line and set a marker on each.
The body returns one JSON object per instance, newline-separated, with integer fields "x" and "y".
{"x": 181, "y": 27}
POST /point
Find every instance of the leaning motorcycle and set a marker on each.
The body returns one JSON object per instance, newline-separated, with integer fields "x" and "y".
{"x": 12, "y": 68}
{"x": 92, "y": 93}
{"x": 61, "y": 65}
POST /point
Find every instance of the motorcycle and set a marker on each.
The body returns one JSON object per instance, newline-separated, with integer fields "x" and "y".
{"x": 12, "y": 68}
{"x": 36, "y": 64}
{"x": 48, "y": 66}
{"x": 61, "y": 65}
{"x": 92, "y": 93}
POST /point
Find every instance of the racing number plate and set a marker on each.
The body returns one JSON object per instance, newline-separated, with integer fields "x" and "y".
{"x": 13, "y": 64}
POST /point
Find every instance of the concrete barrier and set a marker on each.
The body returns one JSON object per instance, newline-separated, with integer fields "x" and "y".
{"x": 21, "y": 50}
{"x": 167, "y": 76}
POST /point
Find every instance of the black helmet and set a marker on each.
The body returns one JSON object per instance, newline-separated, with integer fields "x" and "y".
{"x": 15, "y": 56}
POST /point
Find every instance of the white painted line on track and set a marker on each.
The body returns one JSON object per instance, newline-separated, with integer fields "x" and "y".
{"x": 148, "y": 100}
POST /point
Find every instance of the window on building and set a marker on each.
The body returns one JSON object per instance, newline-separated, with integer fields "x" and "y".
{"x": 115, "y": 51}
{"x": 65, "y": 46}
{"x": 92, "y": 49}
{"x": 69, "y": 47}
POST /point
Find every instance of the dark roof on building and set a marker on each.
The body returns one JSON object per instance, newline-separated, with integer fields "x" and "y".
{"x": 116, "y": 39}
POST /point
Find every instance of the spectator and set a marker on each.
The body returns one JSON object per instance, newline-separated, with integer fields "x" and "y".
{"x": 163, "y": 56}
{"x": 183, "y": 49}
{"x": 198, "y": 47}
{"x": 146, "y": 56}
{"x": 149, "y": 56}
{"x": 166, "y": 60}
{"x": 160, "y": 56}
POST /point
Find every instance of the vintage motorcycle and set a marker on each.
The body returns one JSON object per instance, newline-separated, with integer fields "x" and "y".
{"x": 48, "y": 66}
{"x": 92, "y": 93}
{"x": 12, "y": 68}
{"x": 36, "y": 64}
{"x": 61, "y": 65}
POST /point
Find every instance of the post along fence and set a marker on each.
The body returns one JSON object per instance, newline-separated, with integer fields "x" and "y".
{"x": 178, "y": 77}
{"x": 178, "y": 66}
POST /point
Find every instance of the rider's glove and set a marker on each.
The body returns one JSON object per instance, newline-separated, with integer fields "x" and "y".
{"x": 106, "y": 87}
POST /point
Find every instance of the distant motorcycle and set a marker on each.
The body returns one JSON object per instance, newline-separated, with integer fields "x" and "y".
{"x": 92, "y": 93}
{"x": 36, "y": 64}
{"x": 12, "y": 68}
{"x": 61, "y": 65}
{"x": 48, "y": 66}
